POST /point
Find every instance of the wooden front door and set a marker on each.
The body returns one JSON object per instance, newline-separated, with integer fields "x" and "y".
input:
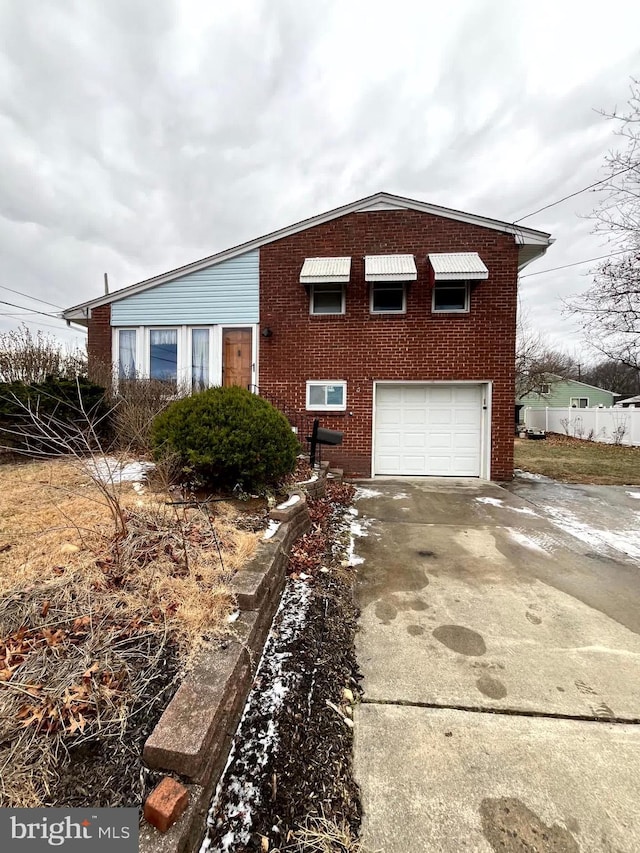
{"x": 236, "y": 357}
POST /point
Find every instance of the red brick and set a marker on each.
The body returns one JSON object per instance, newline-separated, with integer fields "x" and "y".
{"x": 165, "y": 804}
{"x": 418, "y": 345}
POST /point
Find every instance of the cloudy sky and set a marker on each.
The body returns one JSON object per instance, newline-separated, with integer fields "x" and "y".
{"x": 139, "y": 135}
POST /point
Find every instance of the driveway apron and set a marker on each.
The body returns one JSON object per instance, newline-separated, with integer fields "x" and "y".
{"x": 500, "y": 647}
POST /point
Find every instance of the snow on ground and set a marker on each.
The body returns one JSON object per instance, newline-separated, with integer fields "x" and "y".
{"x": 523, "y": 510}
{"x": 254, "y": 743}
{"x": 272, "y": 529}
{"x": 289, "y": 502}
{"x": 357, "y": 529}
{"x": 626, "y": 542}
{"x": 107, "y": 469}
{"x": 362, "y": 493}
{"x": 634, "y": 495}
{"x": 527, "y": 475}
{"x": 527, "y": 541}
{"x": 401, "y": 496}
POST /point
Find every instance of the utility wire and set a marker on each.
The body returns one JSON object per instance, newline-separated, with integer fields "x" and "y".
{"x": 25, "y": 308}
{"x": 40, "y": 323}
{"x": 578, "y": 192}
{"x": 576, "y": 264}
{"x": 35, "y": 298}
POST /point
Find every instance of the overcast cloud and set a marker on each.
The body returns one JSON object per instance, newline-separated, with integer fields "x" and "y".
{"x": 140, "y": 135}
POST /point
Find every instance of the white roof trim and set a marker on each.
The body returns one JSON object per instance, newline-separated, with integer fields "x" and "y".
{"x": 329, "y": 270}
{"x": 527, "y": 238}
{"x": 458, "y": 266}
{"x": 390, "y": 268}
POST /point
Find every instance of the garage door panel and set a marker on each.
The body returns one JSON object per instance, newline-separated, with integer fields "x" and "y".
{"x": 389, "y": 417}
{"x": 415, "y": 439}
{"x": 428, "y": 430}
{"x": 411, "y": 417}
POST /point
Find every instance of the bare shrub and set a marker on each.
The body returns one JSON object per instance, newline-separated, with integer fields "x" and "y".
{"x": 135, "y": 406}
{"x": 30, "y": 358}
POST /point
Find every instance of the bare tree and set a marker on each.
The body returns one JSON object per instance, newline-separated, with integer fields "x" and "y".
{"x": 610, "y": 309}
{"x": 537, "y": 363}
{"x": 25, "y": 357}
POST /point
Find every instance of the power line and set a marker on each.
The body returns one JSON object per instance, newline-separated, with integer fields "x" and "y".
{"x": 35, "y": 298}
{"x": 25, "y": 308}
{"x": 40, "y": 323}
{"x": 576, "y": 264}
{"x": 571, "y": 195}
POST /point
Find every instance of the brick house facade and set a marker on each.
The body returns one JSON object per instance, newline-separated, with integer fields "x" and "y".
{"x": 418, "y": 346}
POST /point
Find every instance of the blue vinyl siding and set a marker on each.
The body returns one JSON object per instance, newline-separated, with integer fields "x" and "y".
{"x": 224, "y": 293}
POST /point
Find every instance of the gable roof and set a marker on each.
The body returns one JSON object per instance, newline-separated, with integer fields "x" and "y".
{"x": 555, "y": 377}
{"x": 532, "y": 244}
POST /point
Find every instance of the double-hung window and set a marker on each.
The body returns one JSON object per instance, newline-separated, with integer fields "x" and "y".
{"x": 127, "y": 354}
{"x": 163, "y": 355}
{"x": 326, "y": 279}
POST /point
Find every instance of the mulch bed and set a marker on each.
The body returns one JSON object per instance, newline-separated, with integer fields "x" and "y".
{"x": 292, "y": 758}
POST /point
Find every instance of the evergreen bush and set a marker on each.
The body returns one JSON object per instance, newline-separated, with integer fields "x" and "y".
{"x": 225, "y": 436}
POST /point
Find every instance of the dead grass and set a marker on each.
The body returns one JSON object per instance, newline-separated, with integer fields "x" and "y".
{"x": 320, "y": 834}
{"x": 86, "y": 614}
{"x": 572, "y": 460}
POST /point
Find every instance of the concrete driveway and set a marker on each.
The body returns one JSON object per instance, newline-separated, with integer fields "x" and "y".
{"x": 500, "y": 646}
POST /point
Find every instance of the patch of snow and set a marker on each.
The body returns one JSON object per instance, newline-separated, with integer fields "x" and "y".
{"x": 523, "y": 510}
{"x": 363, "y": 493}
{"x": 626, "y": 542}
{"x": 255, "y": 741}
{"x": 357, "y": 529}
{"x": 401, "y": 496}
{"x": 110, "y": 470}
{"x": 527, "y": 475}
{"x": 289, "y": 502}
{"x": 233, "y": 617}
{"x": 492, "y": 501}
{"x": 522, "y": 539}
{"x": 353, "y": 511}
{"x": 272, "y": 529}
{"x": 635, "y": 495}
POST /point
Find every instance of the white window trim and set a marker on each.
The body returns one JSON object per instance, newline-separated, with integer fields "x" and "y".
{"x": 184, "y": 372}
{"x": 318, "y": 407}
{"x": 388, "y": 285}
{"x": 328, "y": 286}
{"x": 451, "y": 283}
{"x": 577, "y": 402}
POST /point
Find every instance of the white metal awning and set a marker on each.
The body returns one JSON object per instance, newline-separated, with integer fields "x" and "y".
{"x": 325, "y": 270}
{"x": 390, "y": 268}
{"x": 465, "y": 266}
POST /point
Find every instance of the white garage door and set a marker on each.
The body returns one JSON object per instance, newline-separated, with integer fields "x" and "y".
{"x": 428, "y": 430}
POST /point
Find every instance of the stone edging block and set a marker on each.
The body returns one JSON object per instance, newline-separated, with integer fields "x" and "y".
{"x": 194, "y": 734}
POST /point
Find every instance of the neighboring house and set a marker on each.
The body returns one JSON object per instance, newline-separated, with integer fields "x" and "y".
{"x": 630, "y": 402}
{"x": 567, "y": 394}
{"x": 391, "y": 319}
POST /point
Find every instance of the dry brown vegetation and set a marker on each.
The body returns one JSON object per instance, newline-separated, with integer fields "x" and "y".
{"x": 90, "y": 609}
{"x": 574, "y": 460}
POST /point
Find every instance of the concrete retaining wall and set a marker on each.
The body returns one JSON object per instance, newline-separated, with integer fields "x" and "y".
{"x": 193, "y": 737}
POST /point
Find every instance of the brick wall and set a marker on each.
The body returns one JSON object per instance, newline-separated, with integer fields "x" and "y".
{"x": 361, "y": 348}
{"x": 99, "y": 340}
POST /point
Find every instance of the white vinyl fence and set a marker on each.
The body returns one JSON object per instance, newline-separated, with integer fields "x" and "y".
{"x": 612, "y": 426}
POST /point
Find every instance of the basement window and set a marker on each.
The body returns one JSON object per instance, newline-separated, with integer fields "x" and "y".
{"x": 326, "y": 396}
